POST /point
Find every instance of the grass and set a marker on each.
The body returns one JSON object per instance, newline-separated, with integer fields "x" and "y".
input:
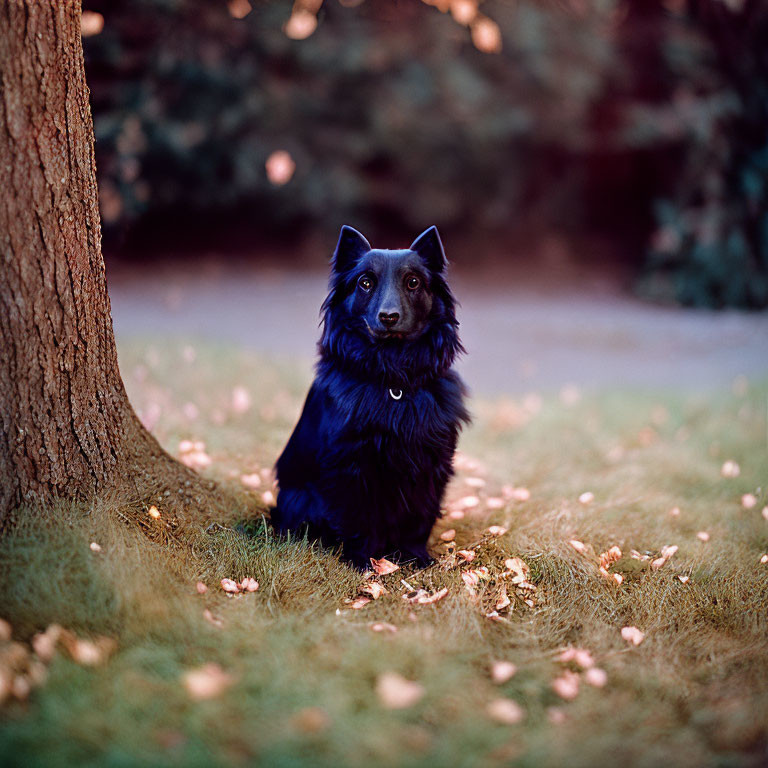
{"x": 304, "y": 666}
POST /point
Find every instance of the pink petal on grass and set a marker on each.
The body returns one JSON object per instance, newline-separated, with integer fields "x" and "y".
{"x": 596, "y": 677}
{"x": 153, "y": 512}
{"x": 748, "y": 500}
{"x": 433, "y": 598}
{"x": 730, "y": 469}
{"x": 764, "y": 559}
{"x": 505, "y": 711}
{"x": 587, "y": 497}
{"x": 209, "y": 617}
{"x": 397, "y": 692}
{"x": 230, "y": 586}
{"x": 251, "y": 481}
{"x": 467, "y": 555}
{"x": 206, "y": 682}
{"x": 383, "y": 566}
{"x": 383, "y": 626}
{"x": 249, "y": 585}
{"x": 702, "y": 536}
{"x": 467, "y": 502}
{"x": 520, "y": 494}
{"x": 494, "y": 502}
{"x": 579, "y": 546}
{"x": 683, "y": 579}
{"x": 764, "y": 513}
{"x": 501, "y": 671}
{"x": 95, "y": 547}
{"x": 496, "y": 530}
{"x": 474, "y": 482}
{"x": 448, "y": 535}
{"x": 632, "y": 635}
{"x": 201, "y": 588}
{"x": 566, "y": 686}
{"x": 675, "y": 511}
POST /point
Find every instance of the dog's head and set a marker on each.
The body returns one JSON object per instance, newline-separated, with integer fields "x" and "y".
{"x": 391, "y": 303}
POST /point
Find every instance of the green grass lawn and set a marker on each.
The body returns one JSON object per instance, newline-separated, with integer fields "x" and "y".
{"x": 303, "y": 674}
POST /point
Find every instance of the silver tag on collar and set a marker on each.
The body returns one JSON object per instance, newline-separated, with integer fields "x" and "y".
{"x": 395, "y": 394}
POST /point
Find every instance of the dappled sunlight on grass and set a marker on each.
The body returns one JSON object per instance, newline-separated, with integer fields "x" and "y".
{"x": 303, "y": 671}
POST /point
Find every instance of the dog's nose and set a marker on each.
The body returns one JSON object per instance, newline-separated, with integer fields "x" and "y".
{"x": 388, "y": 319}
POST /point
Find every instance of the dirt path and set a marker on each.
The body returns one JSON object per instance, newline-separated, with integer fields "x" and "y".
{"x": 520, "y": 337}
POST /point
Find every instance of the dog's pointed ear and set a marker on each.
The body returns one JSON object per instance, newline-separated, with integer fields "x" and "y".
{"x": 351, "y": 246}
{"x": 430, "y": 248}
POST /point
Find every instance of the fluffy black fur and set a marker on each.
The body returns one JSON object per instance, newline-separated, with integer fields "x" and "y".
{"x": 363, "y": 469}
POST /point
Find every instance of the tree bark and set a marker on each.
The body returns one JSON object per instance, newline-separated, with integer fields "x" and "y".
{"x": 68, "y": 429}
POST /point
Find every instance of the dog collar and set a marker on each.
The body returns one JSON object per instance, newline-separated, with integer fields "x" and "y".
{"x": 395, "y": 394}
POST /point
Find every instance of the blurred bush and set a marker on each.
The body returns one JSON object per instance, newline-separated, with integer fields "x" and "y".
{"x": 395, "y": 117}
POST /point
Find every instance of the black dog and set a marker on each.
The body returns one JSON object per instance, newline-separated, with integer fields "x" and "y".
{"x": 368, "y": 462}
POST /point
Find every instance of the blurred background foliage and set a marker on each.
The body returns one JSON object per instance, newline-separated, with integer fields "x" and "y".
{"x": 638, "y": 122}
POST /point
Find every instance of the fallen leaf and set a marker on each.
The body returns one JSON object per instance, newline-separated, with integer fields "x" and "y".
{"x": 609, "y": 557}
{"x": 632, "y": 635}
{"x": 502, "y": 601}
{"x": 505, "y": 711}
{"x": 730, "y": 469}
{"x": 501, "y": 671}
{"x": 596, "y": 677}
{"x": 518, "y": 568}
{"x": 448, "y": 535}
{"x": 566, "y": 686}
{"x": 206, "y": 682}
{"x": 397, "y": 692}
{"x": 374, "y": 589}
{"x": 383, "y": 566}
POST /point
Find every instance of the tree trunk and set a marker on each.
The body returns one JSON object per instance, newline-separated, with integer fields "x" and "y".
{"x": 68, "y": 429}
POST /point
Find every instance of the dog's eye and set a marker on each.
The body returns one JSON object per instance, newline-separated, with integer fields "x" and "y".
{"x": 365, "y": 283}
{"x": 412, "y": 283}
